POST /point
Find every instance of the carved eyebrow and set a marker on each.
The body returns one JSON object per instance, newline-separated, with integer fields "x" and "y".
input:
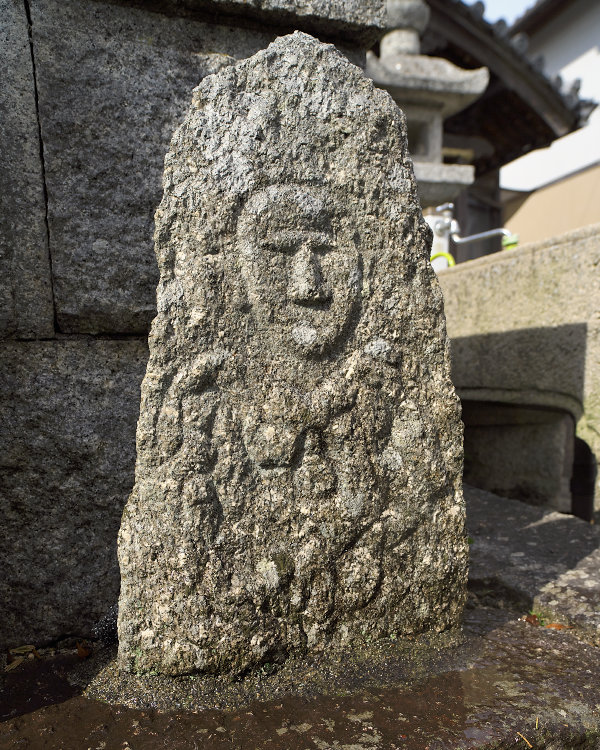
{"x": 294, "y": 239}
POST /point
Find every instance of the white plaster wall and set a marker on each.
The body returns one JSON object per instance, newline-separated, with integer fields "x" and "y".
{"x": 570, "y": 44}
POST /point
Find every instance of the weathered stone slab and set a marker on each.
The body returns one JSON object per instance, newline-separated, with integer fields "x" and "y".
{"x": 67, "y": 456}
{"x": 25, "y": 290}
{"x": 298, "y": 478}
{"x": 113, "y": 84}
{"x": 525, "y": 330}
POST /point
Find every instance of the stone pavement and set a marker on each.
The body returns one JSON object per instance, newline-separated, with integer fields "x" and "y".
{"x": 549, "y": 560}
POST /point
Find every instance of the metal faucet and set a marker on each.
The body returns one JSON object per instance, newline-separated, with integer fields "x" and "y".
{"x": 446, "y": 228}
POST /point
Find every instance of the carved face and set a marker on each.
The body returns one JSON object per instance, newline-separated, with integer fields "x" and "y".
{"x": 302, "y": 278}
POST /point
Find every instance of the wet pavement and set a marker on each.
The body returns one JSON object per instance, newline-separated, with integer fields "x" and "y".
{"x": 500, "y": 682}
{"x": 549, "y": 560}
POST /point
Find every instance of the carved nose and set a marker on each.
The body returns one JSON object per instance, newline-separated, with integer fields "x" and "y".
{"x": 306, "y": 283}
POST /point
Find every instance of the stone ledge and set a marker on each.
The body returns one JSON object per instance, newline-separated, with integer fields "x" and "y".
{"x": 525, "y": 328}
{"x": 590, "y": 233}
{"x": 360, "y": 22}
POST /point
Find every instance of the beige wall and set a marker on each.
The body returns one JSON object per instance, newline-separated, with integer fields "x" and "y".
{"x": 564, "y": 206}
{"x": 525, "y": 328}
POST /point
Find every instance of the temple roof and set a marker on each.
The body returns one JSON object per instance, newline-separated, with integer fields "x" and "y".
{"x": 522, "y": 109}
{"x": 538, "y": 15}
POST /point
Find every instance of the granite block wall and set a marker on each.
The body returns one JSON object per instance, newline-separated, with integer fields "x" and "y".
{"x": 91, "y": 94}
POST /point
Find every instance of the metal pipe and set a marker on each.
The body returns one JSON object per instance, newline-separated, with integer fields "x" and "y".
{"x": 481, "y": 236}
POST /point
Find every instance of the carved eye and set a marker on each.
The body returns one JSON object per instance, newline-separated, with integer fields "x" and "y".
{"x": 281, "y": 244}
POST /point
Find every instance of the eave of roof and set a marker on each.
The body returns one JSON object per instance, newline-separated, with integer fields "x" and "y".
{"x": 538, "y": 15}
{"x": 522, "y": 108}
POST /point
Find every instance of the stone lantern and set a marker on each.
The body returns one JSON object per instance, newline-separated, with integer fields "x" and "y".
{"x": 428, "y": 90}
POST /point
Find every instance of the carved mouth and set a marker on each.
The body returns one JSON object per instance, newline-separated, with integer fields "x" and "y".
{"x": 323, "y": 305}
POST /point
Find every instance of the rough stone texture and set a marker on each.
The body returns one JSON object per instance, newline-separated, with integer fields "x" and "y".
{"x": 525, "y": 329}
{"x": 113, "y": 85}
{"x": 66, "y": 467}
{"x": 299, "y": 443}
{"x": 25, "y": 292}
{"x": 548, "y": 559}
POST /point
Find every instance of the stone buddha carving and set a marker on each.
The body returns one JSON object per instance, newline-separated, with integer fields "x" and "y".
{"x": 298, "y": 474}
